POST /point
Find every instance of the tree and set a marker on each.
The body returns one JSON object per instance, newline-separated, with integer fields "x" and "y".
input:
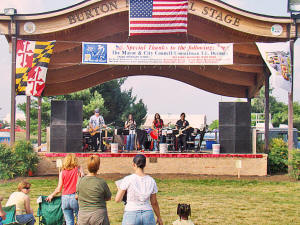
{"x": 114, "y": 105}
{"x": 120, "y": 103}
{"x": 278, "y": 110}
{"x": 214, "y": 125}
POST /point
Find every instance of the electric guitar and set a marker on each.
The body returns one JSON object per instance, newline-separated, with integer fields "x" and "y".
{"x": 94, "y": 131}
{"x": 181, "y": 131}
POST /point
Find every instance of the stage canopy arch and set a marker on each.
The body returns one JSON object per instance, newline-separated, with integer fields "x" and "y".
{"x": 209, "y": 21}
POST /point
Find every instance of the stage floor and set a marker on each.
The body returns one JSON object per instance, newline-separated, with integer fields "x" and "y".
{"x": 167, "y": 163}
{"x": 157, "y": 155}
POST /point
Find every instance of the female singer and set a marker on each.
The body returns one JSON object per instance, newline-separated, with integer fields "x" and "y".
{"x": 157, "y": 125}
{"x": 130, "y": 125}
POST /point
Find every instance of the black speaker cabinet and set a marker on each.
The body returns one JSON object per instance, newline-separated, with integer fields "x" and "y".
{"x": 235, "y": 127}
{"x": 66, "y": 126}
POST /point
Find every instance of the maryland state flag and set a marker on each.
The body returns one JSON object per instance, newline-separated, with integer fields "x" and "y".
{"x": 32, "y": 59}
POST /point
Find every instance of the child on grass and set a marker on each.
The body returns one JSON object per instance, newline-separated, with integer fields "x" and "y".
{"x": 183, "y": 211}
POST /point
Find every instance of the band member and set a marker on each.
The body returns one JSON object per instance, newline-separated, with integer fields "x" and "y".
{"x": 182, "y": 125}
{"x": 130, "y": 124}
{"x": 96, "y": 125}
{"x": 157, "y": 125}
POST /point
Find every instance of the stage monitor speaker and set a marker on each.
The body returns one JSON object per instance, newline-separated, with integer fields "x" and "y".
{"x": 66, "y": 126}
{"x": 235, "y": 127}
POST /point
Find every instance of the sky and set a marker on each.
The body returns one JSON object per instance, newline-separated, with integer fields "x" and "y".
{"x": 162, "y": 95}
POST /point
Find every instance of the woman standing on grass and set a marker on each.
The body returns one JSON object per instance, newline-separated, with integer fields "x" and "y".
{"x": 93, "y": 192}
{"x": 141, "y": 191}
{"x": 20, "y": 198}
{"x": 67, "y": 183}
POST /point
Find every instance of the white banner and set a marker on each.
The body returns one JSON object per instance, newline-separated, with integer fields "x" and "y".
{"x": 278, "y": 59}
{"x": 157, "y": 54}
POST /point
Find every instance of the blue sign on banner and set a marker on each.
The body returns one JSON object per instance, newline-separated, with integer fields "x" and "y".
{"x": 94, "y": 53}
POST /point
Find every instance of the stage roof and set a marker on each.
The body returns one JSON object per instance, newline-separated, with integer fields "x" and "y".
{"x": 209, "y": 21}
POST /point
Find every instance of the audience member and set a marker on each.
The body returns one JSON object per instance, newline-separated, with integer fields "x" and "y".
{"x": 67, "y": 183}
{"x": 93, "y": 192}
{"x": 183, "y": 211}
{"x": 141, "y": 191}
{"x": 20, "y": 198}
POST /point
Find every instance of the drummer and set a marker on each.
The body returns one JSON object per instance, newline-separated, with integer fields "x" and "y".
{"x": 157, "y": 125}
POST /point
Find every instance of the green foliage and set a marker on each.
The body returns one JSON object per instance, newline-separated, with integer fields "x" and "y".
{"x": 113, "y": 103}
{"x": 21, "y": 123}
{"x": 7, "y": 162}
{"x": 27, "y": 159}
{"x": 295, "y": 164}
{"x": 278, "y": 156}
{"x": 278, "y": 110}
{"x": 18, "y": 160}
{"x": 34, "y": 114}
{"x": 214, "y": 125}
{"x": 119, "y": 103}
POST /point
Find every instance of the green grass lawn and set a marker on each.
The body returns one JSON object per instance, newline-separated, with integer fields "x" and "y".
{"x": 213, "y": 201}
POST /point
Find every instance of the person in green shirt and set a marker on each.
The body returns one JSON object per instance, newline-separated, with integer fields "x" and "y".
{"x": 93, "y": 192}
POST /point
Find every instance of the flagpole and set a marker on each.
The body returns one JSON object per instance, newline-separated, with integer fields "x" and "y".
{"x": 267, "y": 110}
{"x": 13, "y": 33}
{"x": 28, "y": 102}
{"x": 290, "y": 108}
{"x": 39, "y": 121}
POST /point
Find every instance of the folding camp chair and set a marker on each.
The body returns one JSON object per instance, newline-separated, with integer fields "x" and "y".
{"x": 50, "y": 213}
{"x": 10, "y": 215}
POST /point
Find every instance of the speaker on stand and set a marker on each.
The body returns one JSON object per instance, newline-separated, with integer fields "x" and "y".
{"x": 66, "y": 126}
{"x": 235, "y": 127}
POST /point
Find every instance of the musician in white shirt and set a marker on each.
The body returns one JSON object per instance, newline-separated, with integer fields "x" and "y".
{"x": 96, "y": 124}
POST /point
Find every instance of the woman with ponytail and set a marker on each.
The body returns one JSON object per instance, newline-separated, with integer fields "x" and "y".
{"x": 67, "y": 181}
{"x": 141, "y": 196}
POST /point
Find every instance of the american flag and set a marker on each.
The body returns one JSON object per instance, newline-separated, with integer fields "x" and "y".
{"x": 157, "y": 16}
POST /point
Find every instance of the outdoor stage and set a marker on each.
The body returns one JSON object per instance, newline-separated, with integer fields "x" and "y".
{"x": 169, "y": 163}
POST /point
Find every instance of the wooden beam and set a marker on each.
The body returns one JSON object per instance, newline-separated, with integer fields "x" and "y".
{"x": 267, "y": 112}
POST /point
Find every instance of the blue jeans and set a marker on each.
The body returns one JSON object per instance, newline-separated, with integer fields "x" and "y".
{"x": 69, "y": 206}
{"x": 25, "y": 219}
{"x": 139, "y": 217}
{"x": 162, "y": 139}
{"x": 130, "y": 141}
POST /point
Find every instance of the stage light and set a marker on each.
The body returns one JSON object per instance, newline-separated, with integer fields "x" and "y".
{"x": 293, "y": 5}
{"x": 10, "y": 11}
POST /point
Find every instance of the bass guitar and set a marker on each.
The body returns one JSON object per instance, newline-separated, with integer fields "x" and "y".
{"x": 181, "y": 131}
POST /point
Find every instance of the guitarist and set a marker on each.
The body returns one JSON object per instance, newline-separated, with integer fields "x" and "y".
{"x": 96, "y": 124}
{"x": 181, "y": 125}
